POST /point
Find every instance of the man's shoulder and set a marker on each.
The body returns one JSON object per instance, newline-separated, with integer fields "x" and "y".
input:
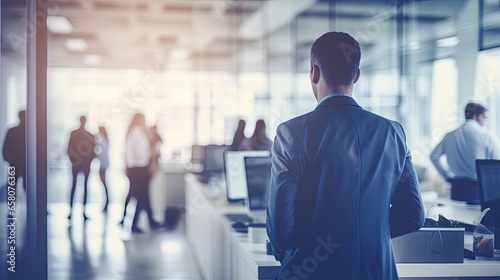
{"x": 10, "y": 131}
{"x": 360, "y": 113}
{"x": 375, "y": 119}
{"x": 298, "y": 121}
{"x": 73, "y": 132}
{"x": 81, "y": 133}
{"x": 87, "y": 133}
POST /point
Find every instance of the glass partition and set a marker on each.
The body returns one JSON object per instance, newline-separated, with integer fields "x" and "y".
{"x": 13, "y": 196}
{"x": 420, "y": 63}
{"x": 489, "y": 24}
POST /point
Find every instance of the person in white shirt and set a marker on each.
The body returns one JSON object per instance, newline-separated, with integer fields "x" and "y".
{"x": 137, "y": 159}
{"x": 462, "y": 147}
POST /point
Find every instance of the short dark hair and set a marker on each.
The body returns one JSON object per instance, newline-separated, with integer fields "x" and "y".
{"x": 473, "y": 109}
{"x": 337, "y": 54}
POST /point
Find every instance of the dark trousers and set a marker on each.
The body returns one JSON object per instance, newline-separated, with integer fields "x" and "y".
{"x": 464, "y": 189}
{"x": 139, "y": 178}
{"x": 86, "y": 172}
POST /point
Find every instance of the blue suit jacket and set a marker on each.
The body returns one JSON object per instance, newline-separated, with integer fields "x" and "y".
{"x": 342, "y": 185}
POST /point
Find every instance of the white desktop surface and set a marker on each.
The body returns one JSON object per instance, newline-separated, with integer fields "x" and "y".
{"x": 263, "y": 266}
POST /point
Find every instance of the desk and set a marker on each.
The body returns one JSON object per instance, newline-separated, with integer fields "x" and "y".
{"x": 222, "y": 253}
{"x": 167, "y": 188}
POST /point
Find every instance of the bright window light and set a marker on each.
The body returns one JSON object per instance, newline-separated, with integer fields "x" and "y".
{"x": 58, "y": 24}
{"x": 414, "y": 46}
{"x": 447, "y": 42}
{"x": 171, "y": 247}
{"x": 75, "y": 45}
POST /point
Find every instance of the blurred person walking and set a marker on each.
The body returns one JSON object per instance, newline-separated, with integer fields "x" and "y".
{"x": 155, "y": 139}
{"x": 102, "y": 148}
{"x": 81, "y": 153}
{"x": 14, "y": 149}
{"x": 138, "y": 160}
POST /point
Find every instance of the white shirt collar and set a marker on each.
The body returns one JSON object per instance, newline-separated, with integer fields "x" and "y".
{"x": 332, "y": 95}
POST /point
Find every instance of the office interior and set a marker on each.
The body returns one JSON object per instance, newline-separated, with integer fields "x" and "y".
{"x": 195, "y": 68}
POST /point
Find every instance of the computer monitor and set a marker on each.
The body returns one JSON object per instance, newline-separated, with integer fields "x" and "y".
{"x": 258, "y": 175}
{"x": 234, "y": 171}
{"x": 214, "y": 159}
{"x": 488, "y": 177}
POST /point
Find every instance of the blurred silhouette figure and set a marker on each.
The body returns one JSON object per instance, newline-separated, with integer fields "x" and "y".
{"x": 81, "y": 153}
{"x": 102, "y": 148}
{"x": 239, "y": 137}
{"x": 138, "y": 159}
{"x": 14, "y": 148}
{"x": 155, "y": 139}
{"x": 259, "y": 140}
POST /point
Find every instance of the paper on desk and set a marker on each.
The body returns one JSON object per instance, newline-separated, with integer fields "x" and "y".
{"x": 483, "y": 237}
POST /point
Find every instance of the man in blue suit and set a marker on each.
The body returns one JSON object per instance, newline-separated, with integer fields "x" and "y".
{"x": 343, "y": 183}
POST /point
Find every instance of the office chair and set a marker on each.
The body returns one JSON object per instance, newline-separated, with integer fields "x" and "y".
{"x": 463, "y": 189}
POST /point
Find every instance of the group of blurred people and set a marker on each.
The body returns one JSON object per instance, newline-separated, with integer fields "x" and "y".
{"x": 258, "y": 140}
{"x": 141, "y": 158}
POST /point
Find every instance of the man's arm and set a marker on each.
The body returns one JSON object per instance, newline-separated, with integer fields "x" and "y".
{"x": 70, "y": 144}
{"x": 283, "y": 190}
{"x": 435, "y": 158}
{"x": 407, "y": 210}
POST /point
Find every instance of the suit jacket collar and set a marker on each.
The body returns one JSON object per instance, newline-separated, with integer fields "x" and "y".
{"x": 338, "y": 101}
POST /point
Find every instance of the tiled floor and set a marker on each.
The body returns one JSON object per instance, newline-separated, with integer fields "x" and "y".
{"x": 99, "y": 248}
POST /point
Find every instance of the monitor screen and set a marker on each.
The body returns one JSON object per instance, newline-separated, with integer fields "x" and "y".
{"x": 214, "y": 158}
{"x": 489, "y": 176}
{"x": 234, "y": 171}
{"x": 258, "y": 174}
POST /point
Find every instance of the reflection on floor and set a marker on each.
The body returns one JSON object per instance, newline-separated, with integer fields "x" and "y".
{"x": 99, "y": 248}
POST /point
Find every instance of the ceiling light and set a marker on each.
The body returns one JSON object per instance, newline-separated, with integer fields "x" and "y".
{"x": 277, "y": 13}
{"x": 448, "y": 42}
{"x": 92, "y": 59}
{"x": 75, "y": 45}
{"x": 58, "y": 24}
{"x": 414, "y": 46}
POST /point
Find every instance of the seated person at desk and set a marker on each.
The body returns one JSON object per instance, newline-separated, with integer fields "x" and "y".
{"x": 259, "y": 140}
{"x": 462, "y": 147}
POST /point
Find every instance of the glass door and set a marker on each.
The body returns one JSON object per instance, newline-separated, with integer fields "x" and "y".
{"x": 22, "y": 94}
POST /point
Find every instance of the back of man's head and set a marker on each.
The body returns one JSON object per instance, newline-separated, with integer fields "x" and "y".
{"x": 338, "y": 55}
{"x": 473, "y": 109}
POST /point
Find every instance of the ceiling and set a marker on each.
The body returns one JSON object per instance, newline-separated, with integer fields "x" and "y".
{"x": 225, "y": 35}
